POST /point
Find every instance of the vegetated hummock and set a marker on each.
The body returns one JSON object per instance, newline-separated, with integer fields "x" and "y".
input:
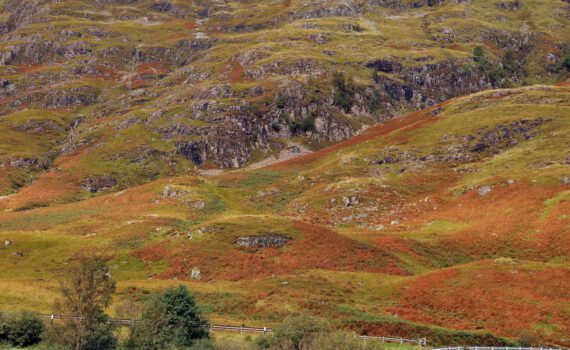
{"x": 127, "y": 128}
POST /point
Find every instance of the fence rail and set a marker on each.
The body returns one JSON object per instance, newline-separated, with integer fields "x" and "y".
{"x": 242, "y": 329}
{"x": 495, "y": 348}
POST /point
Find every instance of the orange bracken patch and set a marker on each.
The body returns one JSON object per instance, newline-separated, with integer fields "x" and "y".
{"x": 503, "y": 298}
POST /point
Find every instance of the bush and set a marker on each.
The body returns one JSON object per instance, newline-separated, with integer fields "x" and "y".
{"x": 343, "y": 92}
{"x": 26, "y": 330}
{"x": 509, "y": 62}
{"x": 296, "y": 332}
{"x": 281, "y": 102}
{"x": 341, "y": 341}
{"x": 307, "y": 124}
{"x": 479, "y": 56}
{"x": 496, "y": 76}
{"x": 263, "y": 342}
{"x": 4, "y": 330}
{"x": 529, "y": 338}
{"x": 22, "y": 331}
{"x": 203, "y": 344}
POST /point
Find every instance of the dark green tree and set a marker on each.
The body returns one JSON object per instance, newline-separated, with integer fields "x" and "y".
{"x": 170, "y": 319}
{"x": 183, "y": 316}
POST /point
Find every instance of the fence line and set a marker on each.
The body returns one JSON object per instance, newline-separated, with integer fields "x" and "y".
{"x": 243, "y": 329}
{"x": 496, "y": 348}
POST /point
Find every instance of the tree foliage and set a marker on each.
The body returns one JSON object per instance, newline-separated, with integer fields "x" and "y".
{"x": 170, "y": 319}
{"x": 25, "y": 330}
{"x": 86, "y": 293}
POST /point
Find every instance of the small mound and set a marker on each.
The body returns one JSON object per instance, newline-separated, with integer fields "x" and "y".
{"x": 319, "y": 248}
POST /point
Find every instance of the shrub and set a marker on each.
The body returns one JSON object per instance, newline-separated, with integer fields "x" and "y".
{"x": 343, "y": 92}
{"x": 281, "y": 102}
{"x": 306, "y": 124}
{"x": 341, "y": 341}
{"x": 479, "y": 56}
{"x": 509, "y": 62}
{"x": 496, "y": 76}
{"x": 529, "y": 338}
{"x": 296, "y": 332}
{"x": 22, "y": 331}
{"x": 374, "y": 101}
{"x": 263, "y": 342}
{"x": 4, "y": 330}
{"x": 203, "y": 344}
{"x": 26, "y": 330}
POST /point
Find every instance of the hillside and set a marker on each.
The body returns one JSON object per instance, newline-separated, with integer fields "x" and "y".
{"x": 109, "y": 94}
{"x": 450, "y": 218}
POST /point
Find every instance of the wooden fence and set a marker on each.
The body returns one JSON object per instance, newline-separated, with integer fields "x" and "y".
{"x": 239, "y": 329}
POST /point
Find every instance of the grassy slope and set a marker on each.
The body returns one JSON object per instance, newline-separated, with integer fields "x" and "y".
{"x": 454, "y": 260}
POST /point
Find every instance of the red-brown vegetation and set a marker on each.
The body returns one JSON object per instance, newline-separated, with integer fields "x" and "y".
{"x": 319, "y": 248}
{"x": 503, "y": 297}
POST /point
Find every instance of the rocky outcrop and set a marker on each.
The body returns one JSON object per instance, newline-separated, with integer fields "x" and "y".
{"x": 30, "y": 163}
{"x": 487, "y": 142}
{"x": 269, "y": 240}
{"x": 429, "y": 84}
{"x": 98, "y": 183}
{"x": 346, "y": 8}
{"x": 505, "y": 136}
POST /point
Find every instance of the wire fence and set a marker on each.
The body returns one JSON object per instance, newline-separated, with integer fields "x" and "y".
{"x": 226, "y": 328}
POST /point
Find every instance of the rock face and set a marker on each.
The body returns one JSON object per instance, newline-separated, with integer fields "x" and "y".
{"x": 269, "y": 240}
{"x": 428, "y": 84}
